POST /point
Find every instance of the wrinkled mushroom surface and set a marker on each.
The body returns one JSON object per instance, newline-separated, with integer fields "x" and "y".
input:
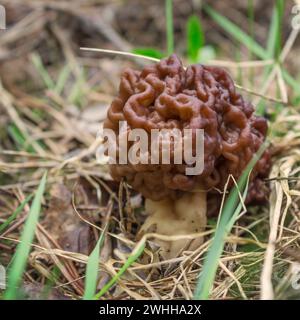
{"x": 165, "y": 95}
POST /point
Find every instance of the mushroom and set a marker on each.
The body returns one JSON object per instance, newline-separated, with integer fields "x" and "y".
{"x": 167, "y": 95}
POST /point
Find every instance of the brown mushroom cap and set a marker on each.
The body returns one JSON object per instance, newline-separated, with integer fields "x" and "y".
{"x": 166, "y": 95}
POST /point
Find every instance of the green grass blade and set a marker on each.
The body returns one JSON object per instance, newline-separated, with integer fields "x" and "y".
{"x": 50, "y": 282}
{"x": 76, "y": 95}
{"x": 21, "y": 255}
{"x": 169, "y": 26}
{"x": 14, "y": 215}
{"x": 19, "y": 139}
{"x": 38, "y": 63}
{"x": 92, "y": 269}
{"x": 290, "y": 80}
{"x": 149, "y": 52}
{"x": 237, "y": 33}
{"x": 195, "y": 38}
{"x": 229, "y": 213}
{"x": 131, "y": 259}
{"x": 62, "y": 79}
{"x": 274, "y": 37}
{"x": 251, "y": 20}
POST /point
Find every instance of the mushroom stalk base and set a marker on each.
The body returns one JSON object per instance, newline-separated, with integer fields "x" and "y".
{"x": 183, "y": 216}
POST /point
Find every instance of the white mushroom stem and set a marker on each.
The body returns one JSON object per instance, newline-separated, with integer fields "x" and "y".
{"x": 183, "y": 216}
